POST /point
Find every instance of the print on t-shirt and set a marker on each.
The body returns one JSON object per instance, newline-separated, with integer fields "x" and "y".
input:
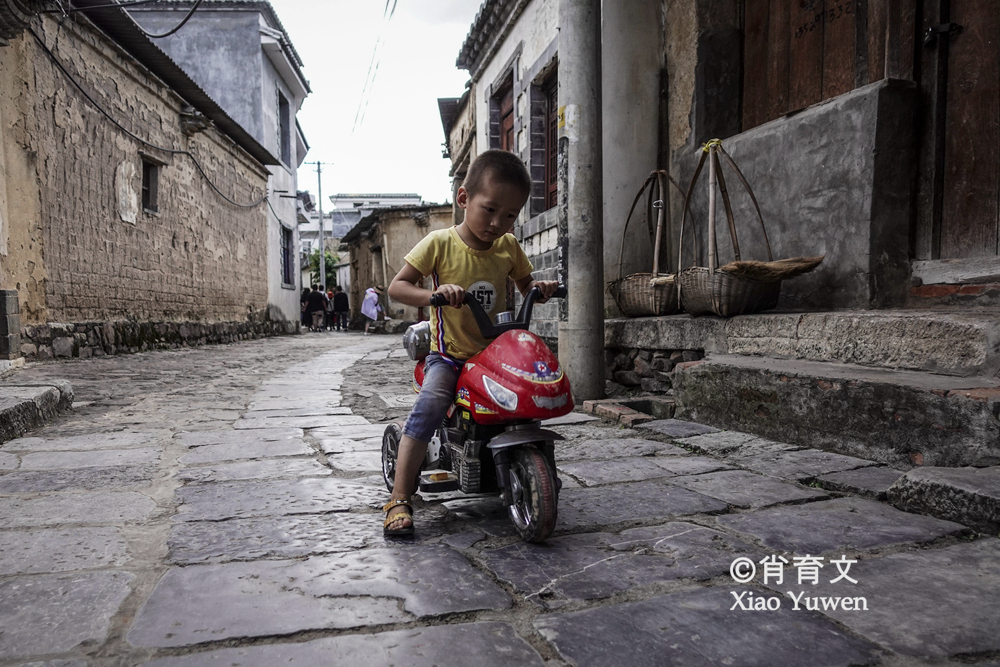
{"x": 485, "y": 293}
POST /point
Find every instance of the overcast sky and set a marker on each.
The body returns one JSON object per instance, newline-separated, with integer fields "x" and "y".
{"x": 397, "y": 147}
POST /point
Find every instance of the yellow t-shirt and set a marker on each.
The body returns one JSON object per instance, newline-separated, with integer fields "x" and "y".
{"x": 445, "y": 257}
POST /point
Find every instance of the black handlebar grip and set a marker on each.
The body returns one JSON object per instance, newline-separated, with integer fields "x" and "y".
{"x": 560, "y": 292}
{"x": 438, "y": 300}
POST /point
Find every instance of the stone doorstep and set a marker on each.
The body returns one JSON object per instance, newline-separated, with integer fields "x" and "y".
{"x": 897, "y": 418}
{"x": 617, "y": 409}
{"x": 26, "y": 406}
{"x": 970, "y": 496}
{"x": 947, "y": 342}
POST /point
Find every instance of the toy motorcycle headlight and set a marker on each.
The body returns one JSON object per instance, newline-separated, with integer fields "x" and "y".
{"x": 500, "y": 394}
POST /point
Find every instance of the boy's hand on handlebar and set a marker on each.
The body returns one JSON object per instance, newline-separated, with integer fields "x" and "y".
{"x": 455, "y": 294}
{"x": 547, "y": 288}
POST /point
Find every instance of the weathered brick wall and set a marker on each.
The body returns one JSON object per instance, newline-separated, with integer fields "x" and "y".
{"x": 197, "y": 259}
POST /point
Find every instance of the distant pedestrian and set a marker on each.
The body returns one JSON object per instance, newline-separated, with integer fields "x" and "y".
{"x": 341, "y": 309}
{"x": 370, "y": 307}
{"x": 304, "y": 303}
{"x": 328, "y": 315}
{"x": 316, "y": 307}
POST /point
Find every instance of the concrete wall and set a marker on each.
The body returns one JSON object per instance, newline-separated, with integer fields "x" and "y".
{"x": 831, "y": 180}
{"x": 630, "y": 86}
{"x": 104, "y": 258}
{"x": 221, "y": 52}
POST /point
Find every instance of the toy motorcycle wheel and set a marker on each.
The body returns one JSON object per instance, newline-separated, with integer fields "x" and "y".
{"x": 390, "y": 452}
{"x": 534, "y": 508}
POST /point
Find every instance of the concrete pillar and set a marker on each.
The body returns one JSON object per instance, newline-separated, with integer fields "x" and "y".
{"x": 10, "y": 325}
{"x": 631, "y": 59}
{"x": 581, "y": 335}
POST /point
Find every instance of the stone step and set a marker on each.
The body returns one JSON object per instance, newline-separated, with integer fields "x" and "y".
{"x": 25, "y": 405}
{"x": 970, "y": 496}
{"x": 965, "y": 343}
{"x": 898, "y": 418}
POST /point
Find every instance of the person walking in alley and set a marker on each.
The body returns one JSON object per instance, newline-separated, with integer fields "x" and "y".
{"x": 316, "y": 307}
{"x": 328, "y": 315}
{"x": 370, "y": 307}
{"x": 341, "y": 309}
{"x": 479, "y": 253}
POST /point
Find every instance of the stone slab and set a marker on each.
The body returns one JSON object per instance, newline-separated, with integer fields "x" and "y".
{"x": 967, "y": 495}
{"x": 746, "y": 489}
{"x": 677, "y": 428}
{"x": 490, "y": 644}
{"x": 229, "y": 436}
{"x": 598, "y": 565}
{"x": 593, "y": 473}
{"x": 245, "y": 499}
{"x": 341, "y": 445}
{"x": 357, "y": 432}
{"x": 72, "y": 608}
{"x": 842, "y": 524}
{"x": 262, "y": 469}
{"x": 102, "y": 458}
{"x": 9, "y": 461}
{"x": 331, "y": 421}
{"x": 928, "y": 603}
{"x": 95, "y": 507}
{"x": 697, "y": 628}
{"x": 192, "y": 542}
{"x": 81, "y": 479}
{"x": 53, "y": 663}
{"x": 571, "y": 418}
{"x": 200, "y": 603}
{"x": 870, "y": 482}
{"x": 249, "y": 449}
{"x": 356, "y": 461}
{"x": 689, "y": 465}
{"x": 725, "y": 443}
{"x": 802, "y": 464}
{"x": 637, "y": 501}
{"x": 315, "y": 411}
{"x": 88, "y": 442}
{"x": 61, "y": 550}
{"x": 612, "y": 448}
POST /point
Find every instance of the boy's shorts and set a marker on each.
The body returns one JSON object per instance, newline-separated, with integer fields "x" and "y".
{"x": 437, "y": 393}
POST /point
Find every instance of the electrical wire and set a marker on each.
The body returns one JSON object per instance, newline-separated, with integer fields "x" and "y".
{"x": 169, "y": 32}
{"x": 373, "y": 65}
{"x": 73, "y": 10}
{"x": 172, "y": 151}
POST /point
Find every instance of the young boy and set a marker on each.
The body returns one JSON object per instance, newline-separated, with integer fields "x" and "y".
{"x": 476, "y": 256}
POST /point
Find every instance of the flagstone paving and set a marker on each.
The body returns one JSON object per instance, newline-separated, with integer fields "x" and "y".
{"x": 221, "y": 505}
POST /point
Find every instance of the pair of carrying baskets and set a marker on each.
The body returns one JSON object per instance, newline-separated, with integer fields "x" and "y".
{"x": 738, "y": 288}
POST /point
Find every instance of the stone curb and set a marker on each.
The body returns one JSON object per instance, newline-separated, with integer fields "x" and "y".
{"x": 967, "y": 495}
{"x": 24, "y": 406}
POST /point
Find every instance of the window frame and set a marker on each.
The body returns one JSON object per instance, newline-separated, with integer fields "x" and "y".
{"x": 150, "y": 185}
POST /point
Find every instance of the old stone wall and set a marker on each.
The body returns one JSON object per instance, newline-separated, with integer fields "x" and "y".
{"x": 197, "y": 258}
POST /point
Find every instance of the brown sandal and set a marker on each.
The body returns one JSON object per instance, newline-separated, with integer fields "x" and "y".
{"x": 397, "y": 532}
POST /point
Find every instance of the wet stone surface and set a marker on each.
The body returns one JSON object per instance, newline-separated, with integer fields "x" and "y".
{"x": 745, "y": 489}
{"x": 871, "y": 482}
{"x": 845, "y": 523}
{"x": 481, "y": 644}
{"x": 264, "y": 545}
{"x": 74, "y": 607}
{"x": 697, "y": 628}
{"x": 213, "y": 602}
{"x": 230, "y": 500}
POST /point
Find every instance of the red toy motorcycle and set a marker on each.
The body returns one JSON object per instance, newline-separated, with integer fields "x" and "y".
{"x": 491, "y": 439}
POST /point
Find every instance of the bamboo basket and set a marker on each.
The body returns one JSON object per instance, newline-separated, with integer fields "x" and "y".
{"x": 655, "y": 293}
{"x": 740, "y": 287}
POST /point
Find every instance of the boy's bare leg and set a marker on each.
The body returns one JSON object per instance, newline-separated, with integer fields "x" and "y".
{"x": 411, "y": 455}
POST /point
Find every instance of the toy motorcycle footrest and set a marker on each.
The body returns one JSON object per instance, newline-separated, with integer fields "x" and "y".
{"x": 438, "y": 482}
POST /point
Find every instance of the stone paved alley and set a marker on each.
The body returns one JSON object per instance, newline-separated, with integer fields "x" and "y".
{"x": 219, "y": 506}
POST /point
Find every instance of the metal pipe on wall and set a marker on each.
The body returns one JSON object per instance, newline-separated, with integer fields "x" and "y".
{"x": 581, "y": 335}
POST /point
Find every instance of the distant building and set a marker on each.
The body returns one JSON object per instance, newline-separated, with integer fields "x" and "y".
{"x": 240, "y": 54}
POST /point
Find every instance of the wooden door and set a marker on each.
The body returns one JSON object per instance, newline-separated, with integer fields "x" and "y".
{"x": 507, "y": 119}
{"x": 963, "y": 67}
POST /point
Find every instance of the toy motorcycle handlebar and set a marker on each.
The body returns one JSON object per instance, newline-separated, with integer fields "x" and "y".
{"x": 486, "y": 326}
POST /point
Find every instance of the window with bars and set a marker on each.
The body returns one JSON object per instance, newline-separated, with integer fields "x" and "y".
{"x": 551, "y": 90}
{"x": 287, "y": 256}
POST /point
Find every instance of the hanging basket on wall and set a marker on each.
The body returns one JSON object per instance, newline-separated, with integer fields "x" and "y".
{"x": 740, "y": 287}
{"x": 655, "y": 293}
